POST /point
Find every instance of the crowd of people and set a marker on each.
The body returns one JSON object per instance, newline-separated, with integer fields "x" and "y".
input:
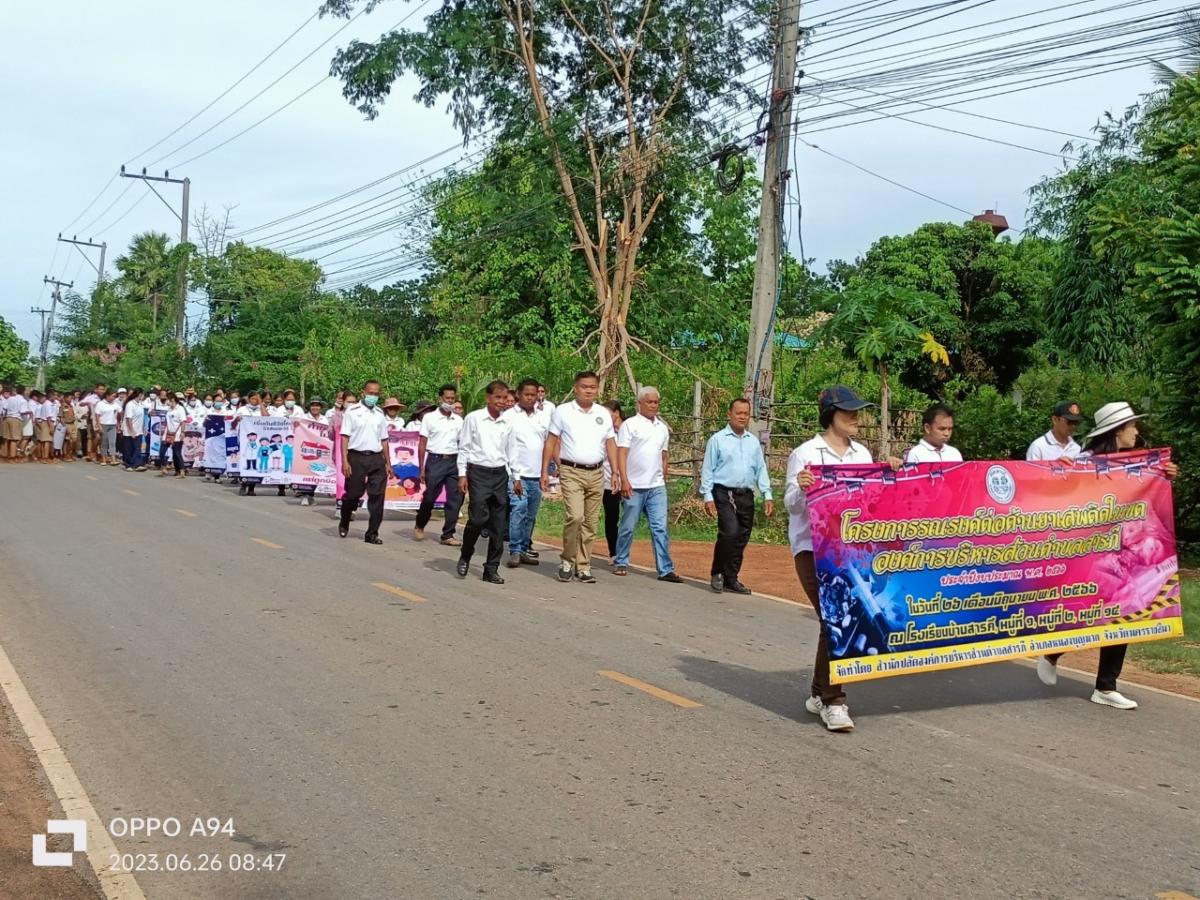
{"x": 500, "y": 460}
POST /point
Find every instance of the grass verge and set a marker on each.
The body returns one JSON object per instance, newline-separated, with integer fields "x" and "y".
{"x": 1180, "y": 655}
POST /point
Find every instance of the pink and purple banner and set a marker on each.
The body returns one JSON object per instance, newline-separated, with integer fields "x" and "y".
{"x": 939, "y": 566}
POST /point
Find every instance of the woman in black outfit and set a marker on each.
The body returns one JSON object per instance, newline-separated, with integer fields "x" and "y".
{"x": 612, "y": 499}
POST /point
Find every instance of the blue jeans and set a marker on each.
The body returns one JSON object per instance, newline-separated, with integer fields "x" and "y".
{"x": 653, "y": 502}
{"x": 524, "y": 510}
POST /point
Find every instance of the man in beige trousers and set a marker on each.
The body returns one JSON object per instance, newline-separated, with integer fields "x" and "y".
{"x": 581, "y": 439}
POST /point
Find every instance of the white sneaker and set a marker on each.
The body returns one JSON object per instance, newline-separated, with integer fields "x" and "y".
{"x": 1047, "y": 671}
{"x": 813, "y": 705}
{"x": 836, "y": 717}
{"x": 1113, "y": 699}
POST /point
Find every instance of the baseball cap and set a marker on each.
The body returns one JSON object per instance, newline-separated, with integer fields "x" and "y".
{"x": 842, "y": 397}
{"x": 122, "y": 391}
{"x": 179, "y": 396}
{"x": 1068, "y": 410}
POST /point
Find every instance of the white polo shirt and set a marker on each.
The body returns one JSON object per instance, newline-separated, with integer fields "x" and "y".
{"x": 529, "y": 432}
{"x": 13, "y": 407}
{"x": 441, "y": 432}
{"x": 584, "y": 434}
{"x": 247, "y": 410}
{"x": 106, "y": 412}
{"x": 176, "y": 418}
{"x": 134, "y": 419}
{"x": 925, "y": 452}
{"x": 1047, "y": 449}
{"x": 364, "y": 428}
{"x": 647, "y": 440}
{"x": 812, "y": 453}
{"x": 485, "y": 441}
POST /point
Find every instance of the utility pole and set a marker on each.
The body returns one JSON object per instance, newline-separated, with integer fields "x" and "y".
{"x": 74, "y": 240}
{"x": 48, "y": 328}
{"x": 181, "y": 279}
{"x": 760, "y": 382}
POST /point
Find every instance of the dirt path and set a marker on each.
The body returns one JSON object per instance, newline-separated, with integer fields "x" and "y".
{"x": 769, "y": 570}
{"x": 24, "y": 810}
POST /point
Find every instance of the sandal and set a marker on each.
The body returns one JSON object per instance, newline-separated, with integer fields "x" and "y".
{"x": 620, "y": 570}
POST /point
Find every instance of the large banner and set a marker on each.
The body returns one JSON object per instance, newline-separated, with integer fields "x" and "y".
{"x": 308, "y": 458}
{"x": 404, "y": 488}
{"x": 220, "y": 444}
{"x": 940, "y": 566}
{"x": 261, "y": 443}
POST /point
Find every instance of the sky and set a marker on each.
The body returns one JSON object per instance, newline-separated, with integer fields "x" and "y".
{"x": 87, "y": 87}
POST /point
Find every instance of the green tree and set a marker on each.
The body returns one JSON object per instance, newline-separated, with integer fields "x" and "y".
{"x": 614, "y": 87}
{"x": 884, "y": 325}
{"x": 14, "y": 354}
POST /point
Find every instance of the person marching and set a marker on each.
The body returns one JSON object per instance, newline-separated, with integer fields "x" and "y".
{"x": 581, "y": 438}
{"x": 839, "y": 407}
{"x": 437, "y": 455}
{"x": 364, "y": 462}
{"x": 1059, "y": 442}
{"x": 610, "y": 504}
{"x": 487, "y": 457}
{"x": 937, "y": 424}
{"x": 316, "y": 415}
{"x": 12, "y": 411}
{"x": 734, "y": 465}
{"x": 530, "y": 429}
{"x": 1115, "y": 432}
{"x": 642, "y": 457}
{"x": 133, "y": 427}
{"x": 172, "y": 436}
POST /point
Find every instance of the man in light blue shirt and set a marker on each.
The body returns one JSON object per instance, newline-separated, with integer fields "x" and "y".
{"x": 734, "y": 466}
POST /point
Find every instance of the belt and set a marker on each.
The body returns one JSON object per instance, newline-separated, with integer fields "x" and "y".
{"x": 443, "y": 455}
{"x": 487, "y": 468}
{"x": 587, "y": 467}
{"x": 735, "y": 490}
{"x": 366, "y": 452}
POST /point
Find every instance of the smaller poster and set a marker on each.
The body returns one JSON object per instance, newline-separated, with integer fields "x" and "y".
{"x": 308, "y": 459}
{"x": 156, "y": 424}
{"x": 261, "y": 442}
{"x": 220, "y": 444}
{"x": 193, "y": 444}
{"x": 404, "y": 489}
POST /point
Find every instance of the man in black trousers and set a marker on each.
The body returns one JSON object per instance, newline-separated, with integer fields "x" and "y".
{"x": 437, "y": 456}
{"x": 487, "y": 453}
{"x": 364, "y": 461}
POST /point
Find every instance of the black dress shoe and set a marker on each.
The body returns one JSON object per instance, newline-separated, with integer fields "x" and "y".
{"x": 462, "y": 567}
{"x": 738, "y": 588}
{"x": 717, "y": 583}
{"x": 343, "y": 530}
{"x": 373, "y": 539}
{"x": 493, "y": 578}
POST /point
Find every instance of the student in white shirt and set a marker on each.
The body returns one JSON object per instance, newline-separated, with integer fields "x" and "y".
{"x": 288, "y": 408}
{"x": 642, "y": 459}
{"x": 835, "y": 446}
{"x": 581, "y": 439}
{"x": 107, "y": 414}
{"x": 254, "y": 407}
{"x": 133, "y": 427}
{"x": 437, "y": 455}
{"x": 172, "y": 436}
{"x": 1059, "y": 442}
{"x": 12, "y": 423}
{"x": 937, "y": 424}
{"x": 487, "y": 457}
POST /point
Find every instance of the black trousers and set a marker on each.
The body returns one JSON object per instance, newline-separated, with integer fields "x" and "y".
{"x": 177, "y": 455}
{"x": 487, "y": 505}
{"x": 368, "y": 474}
{"x": 735, "y": 521}
{"x": 612, "y": 520}
{"x": 441, "y": 473}
{"x": 1112, "y": 660}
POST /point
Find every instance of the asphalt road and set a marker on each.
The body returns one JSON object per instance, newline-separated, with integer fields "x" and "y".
{"x": 466, "y": 744}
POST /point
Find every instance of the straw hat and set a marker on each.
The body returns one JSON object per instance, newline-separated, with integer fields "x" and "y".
{"x": 1112, "y": 416}
{"x": 393, "y": 403}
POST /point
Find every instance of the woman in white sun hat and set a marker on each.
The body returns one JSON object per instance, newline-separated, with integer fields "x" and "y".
{"x": 1116, "y": 431}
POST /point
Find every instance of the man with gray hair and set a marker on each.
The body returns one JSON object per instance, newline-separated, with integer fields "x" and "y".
{"x": 642, "y": 462}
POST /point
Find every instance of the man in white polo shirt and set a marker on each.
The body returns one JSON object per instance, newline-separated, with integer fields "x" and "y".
{"x": 642, "y": 459}
{"x": 530, "y": 429}
{"x": 487, "y": 457}
{"x": 581, "y": 438}
{"x": 12, "y": 422}
{"x": 937, "y": 426}
{"x": 364, "y": 461}
{"x": 437, "y": 456}
{"x": 1059, "y": 442}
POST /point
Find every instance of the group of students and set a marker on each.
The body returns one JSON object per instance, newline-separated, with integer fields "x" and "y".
{"x": 501, "y": 459}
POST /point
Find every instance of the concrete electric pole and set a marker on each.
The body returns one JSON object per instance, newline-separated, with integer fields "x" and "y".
{"x": 759, "y": 386}
{"x": 181, "y": 280}
{"x": 48, "y": 327}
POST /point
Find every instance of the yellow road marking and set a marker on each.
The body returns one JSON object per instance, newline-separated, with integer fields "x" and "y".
{"x": 267, "y": 544}
{"x": 1174, "y": 895}
{"x": 184, "y": 512}
{"x": 92, "y": 478}
{"x": 651, "y": 690}
{"x": 132, "y": 493}
{"x": 398, "y": 592}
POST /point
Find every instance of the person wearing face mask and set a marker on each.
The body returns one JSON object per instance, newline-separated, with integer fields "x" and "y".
{"x": 234, "y": 401}
{"x": 288, "y": 407}
{"x": 437, "y": 455}
{"x": 253, "y": 407}
{"x": 839, "y": 408}
{"x": 1116, "y": 431}
{"x": 364, "y": 462}
{"x": 192, "y": 404}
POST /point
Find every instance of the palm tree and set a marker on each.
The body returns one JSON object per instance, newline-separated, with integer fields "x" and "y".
{"x": 1189, "y": 41}
{"x": 146, "y": 270}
